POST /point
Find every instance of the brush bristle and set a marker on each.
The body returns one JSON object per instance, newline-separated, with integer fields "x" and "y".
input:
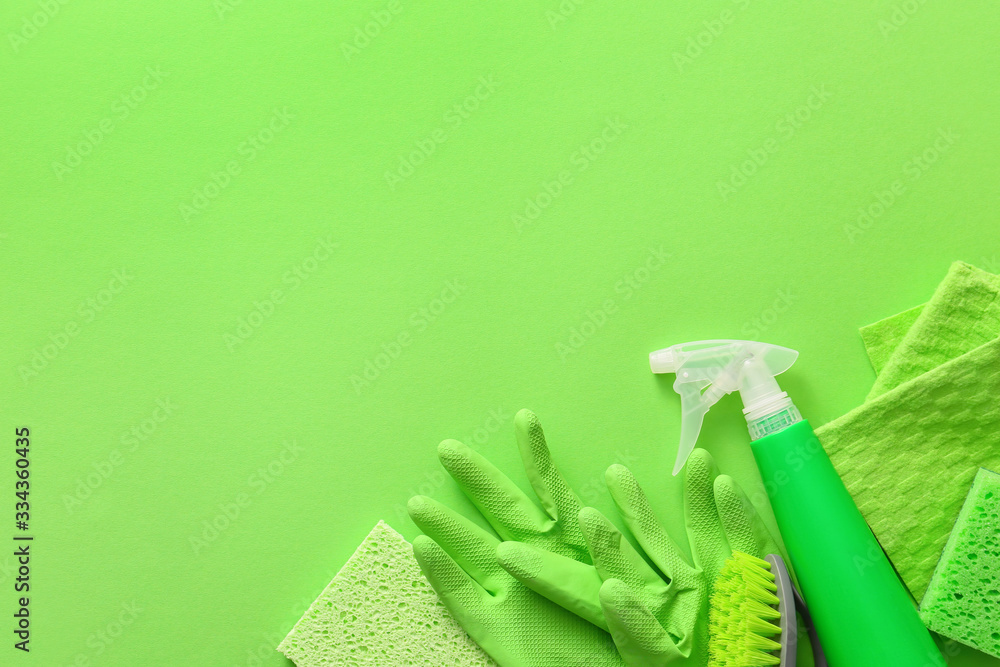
{"x": 743, "y": 615}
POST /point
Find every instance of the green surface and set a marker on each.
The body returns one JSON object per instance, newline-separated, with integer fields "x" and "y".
{"x": 240, "y": 319}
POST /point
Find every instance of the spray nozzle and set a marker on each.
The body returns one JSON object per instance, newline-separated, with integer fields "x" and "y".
{"x": 708, "y": 370}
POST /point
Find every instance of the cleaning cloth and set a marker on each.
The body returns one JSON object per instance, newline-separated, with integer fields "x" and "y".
{"x": 963, "y": 314}
{"x": 380, "y": 610}
{"x": 963, "y": 599}
{"x": 910, "y": 452}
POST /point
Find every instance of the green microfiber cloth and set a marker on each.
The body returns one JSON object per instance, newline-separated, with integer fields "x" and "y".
{"x": 883, "y": 337}
{"x": 963, "y": 599}
{"x": 380, "y": 610}
{"x": 908, "y": 454}
{"x": 963, "y": 314}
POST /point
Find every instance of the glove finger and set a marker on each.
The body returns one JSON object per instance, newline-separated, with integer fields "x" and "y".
{"x": 641, "y": 640}
{"x": 557, "y": 498}
{"x": 614, "y": 556}
{"x": 709, "y": 548}
{"x": 745, "y": 530}
{"x": 508, "y": 509}
{"x": 471, "y": 547}
{"x": 569, "y": 583}
{"x": 459, "y": 592}
{"x": 639, "y": 517}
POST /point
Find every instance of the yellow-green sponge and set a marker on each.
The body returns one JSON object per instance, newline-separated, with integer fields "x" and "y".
{"x": 963, "y": 599}
{"x": 380, "y": 610}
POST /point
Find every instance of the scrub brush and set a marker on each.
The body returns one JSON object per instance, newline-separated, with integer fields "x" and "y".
{"x": 752, "y": 619}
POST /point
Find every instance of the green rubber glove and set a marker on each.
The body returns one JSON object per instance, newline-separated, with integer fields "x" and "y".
{"x": 516, "y": 626}
{"x": 656, "y": 616}
{"x": 554, "y": 525}
{"x": 576, "y": 558}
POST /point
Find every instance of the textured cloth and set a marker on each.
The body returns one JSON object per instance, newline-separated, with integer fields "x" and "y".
{"x": 883, "y": 337}
{"x": 380, "y": 610}
{"x": 963, "y": 314}
{"x": 910, "y": 452}
{"x": 963, "y": 599}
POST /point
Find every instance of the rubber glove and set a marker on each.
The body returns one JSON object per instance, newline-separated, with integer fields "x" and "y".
{"x": 547, "y": 550}
{"x": 656, "y": 616}
{"x": 514, "y": 625}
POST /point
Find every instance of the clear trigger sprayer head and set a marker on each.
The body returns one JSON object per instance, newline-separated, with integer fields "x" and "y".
{"x": 708, "y": 370}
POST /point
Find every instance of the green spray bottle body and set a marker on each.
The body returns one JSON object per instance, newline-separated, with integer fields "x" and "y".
{"x": 861, "y": 611}
{"x": 863, "y": 614}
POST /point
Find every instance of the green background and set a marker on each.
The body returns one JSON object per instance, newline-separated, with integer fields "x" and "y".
{"x": 700, "y": 90}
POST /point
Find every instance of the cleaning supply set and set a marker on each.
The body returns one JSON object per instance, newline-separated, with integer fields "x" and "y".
{"x": 863, "y": 615}
{"x": 555, "y": 583}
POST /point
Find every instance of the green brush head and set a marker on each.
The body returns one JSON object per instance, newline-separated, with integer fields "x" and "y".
{"x": 743, "y": 615}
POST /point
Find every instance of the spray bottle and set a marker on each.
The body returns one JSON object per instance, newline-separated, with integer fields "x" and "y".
{"x": 863, "y": 614}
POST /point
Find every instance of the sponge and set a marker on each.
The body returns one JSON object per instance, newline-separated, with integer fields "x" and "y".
{"x": 380, "y": 610}
{"x": 963, "y": 599}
